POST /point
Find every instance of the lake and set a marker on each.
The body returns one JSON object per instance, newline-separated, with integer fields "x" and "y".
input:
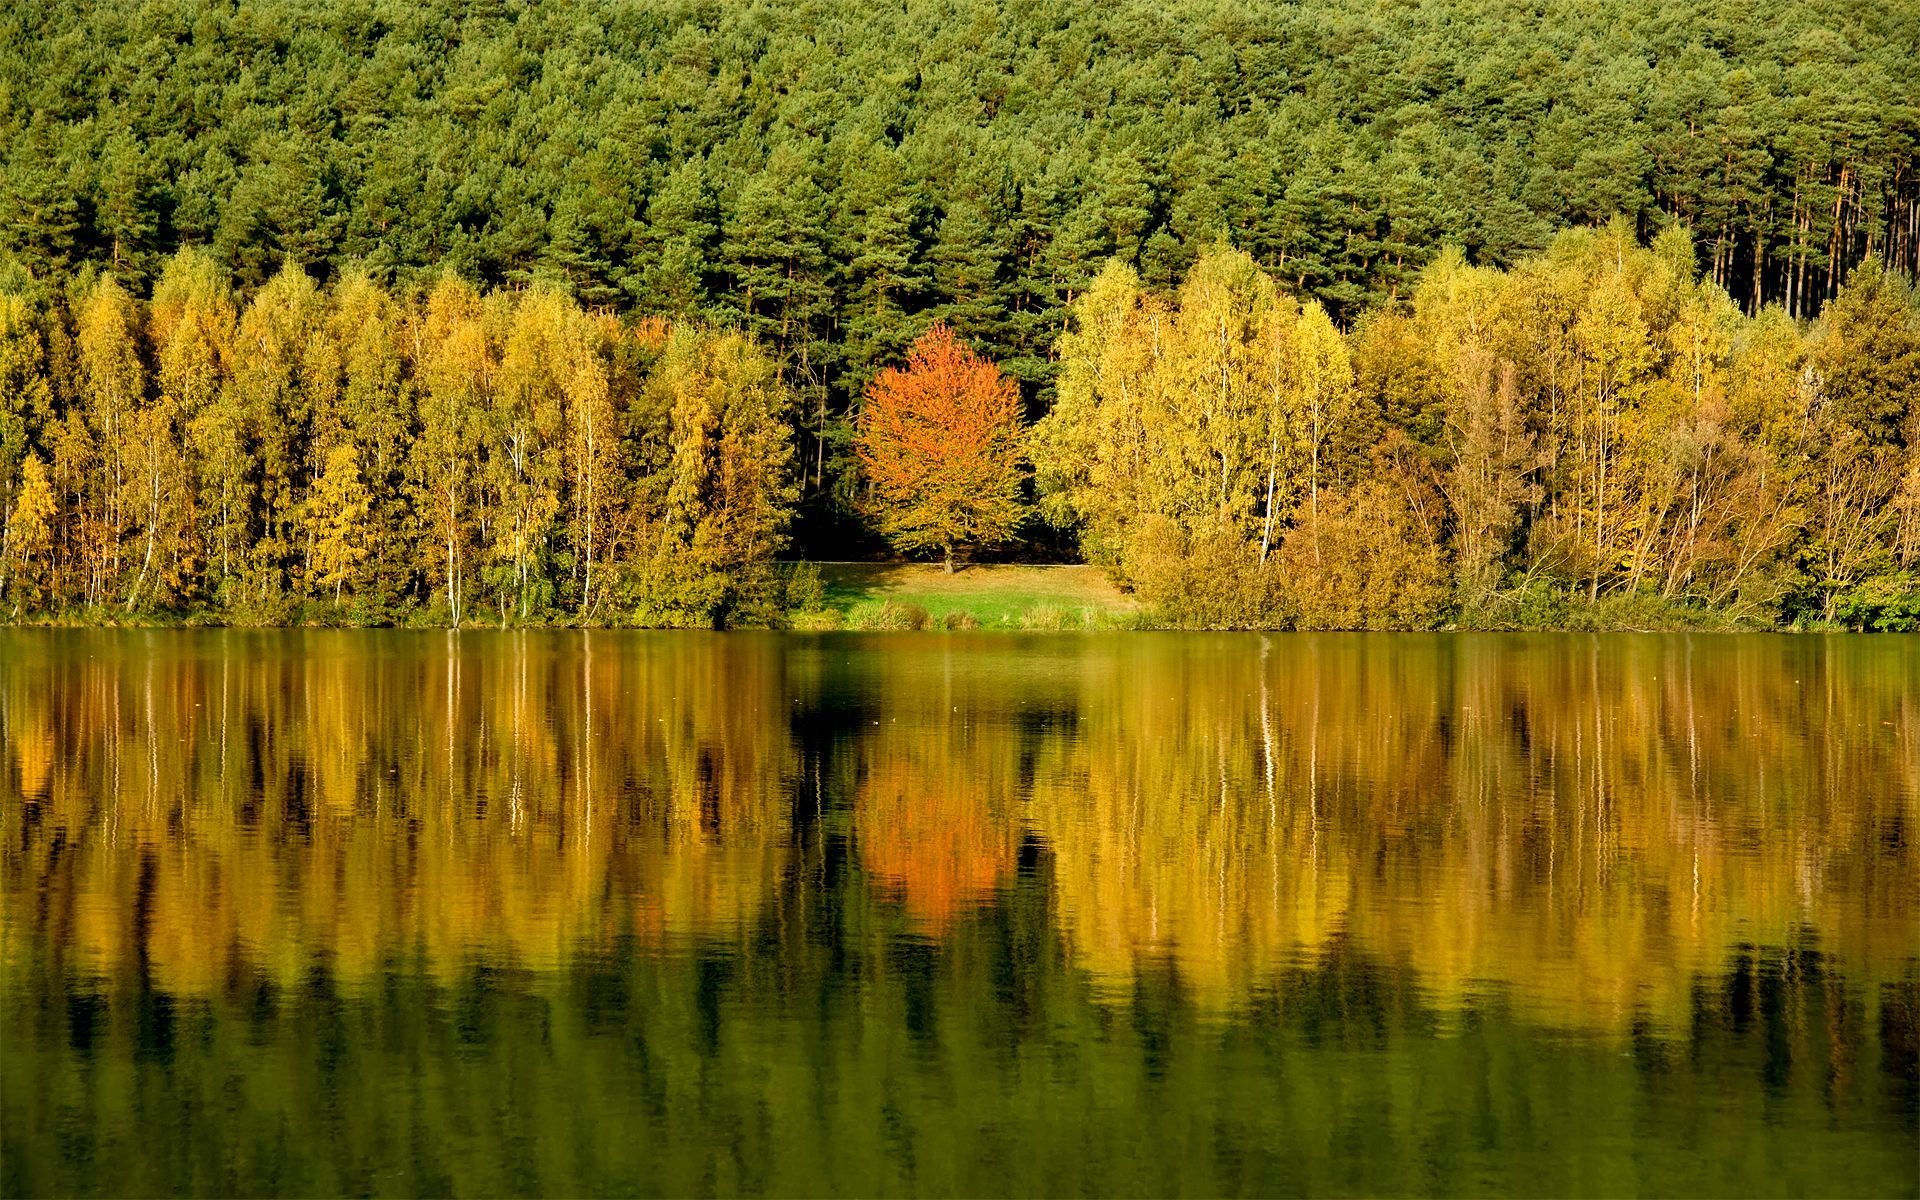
{"x": 314, "y": 912}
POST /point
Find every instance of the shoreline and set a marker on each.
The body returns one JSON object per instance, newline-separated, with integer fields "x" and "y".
{"x": 903, "y": 597}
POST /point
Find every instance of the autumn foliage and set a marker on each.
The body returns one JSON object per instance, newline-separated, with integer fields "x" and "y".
{"x": 940, "y": 443}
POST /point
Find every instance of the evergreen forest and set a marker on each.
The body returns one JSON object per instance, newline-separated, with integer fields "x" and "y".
{"x": 1333, "y": 314}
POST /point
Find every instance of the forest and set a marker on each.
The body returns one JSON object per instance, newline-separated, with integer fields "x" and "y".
{"x": 1316, "y": 315}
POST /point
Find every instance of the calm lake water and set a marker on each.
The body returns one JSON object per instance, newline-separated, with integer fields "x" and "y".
{"x": 577, "y": 913}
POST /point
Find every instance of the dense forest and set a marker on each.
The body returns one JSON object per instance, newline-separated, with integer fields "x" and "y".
{"x": 628, "y": 274}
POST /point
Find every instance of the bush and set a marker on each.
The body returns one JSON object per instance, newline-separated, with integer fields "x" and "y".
{"x": 1540, "y": 605}
{"x": 1365, "y": 562}
{"x": 815, "y": 620}
{"x": 886, "y": 615}
{"x": 1536, "y": 604}
{"x": 1211, "y": 578}
{"x": 1129, "y": 620}
{"x": 1882, "y": 604}
{"x": 801, "y": 588}
{"x": 1640, "y": 612}
{"x": 1050, "y": 617}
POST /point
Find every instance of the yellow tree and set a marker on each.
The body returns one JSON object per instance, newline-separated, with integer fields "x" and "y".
{"x": 1090, "y": 452}
{"x": 160, "y": 502}
{"x": 375, "y": 417}
{"x": 1681, "y": 457}
{"x": 1460, "y": 316}
{"x": 1364, "y": 560}
{"x": 730, "y": 491}
{"x": 1186, "y": 433}
{"x": 1614, "y": 353}
{"x": 26, "y": 395}
{"x": 261, "y": 433}
{"x": 113, "y": 382}
{"x": 455, "y": 364}
{"x": 940, "y": 443}
{"x": 1743, "y": 560}
{"x": 1906, "y": 542}
{"x": 29, "y": 536}
{"x": 1216, "y": 360}
{"x": 523, "y": 427}
{"x": 1323, "y": 392}
{"x": 336, "y": 518}
{"x": 592, "y": 448}
{"x": 148, "y": 493}
{"x": 191, "y": 321}
{"x": 1854, "y": 516}
{"x": 1170, "y": 416}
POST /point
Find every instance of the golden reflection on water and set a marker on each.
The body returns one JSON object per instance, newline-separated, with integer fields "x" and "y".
{"x": 1581, "y": 824}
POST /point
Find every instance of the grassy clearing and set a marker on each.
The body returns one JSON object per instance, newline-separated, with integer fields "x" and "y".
{"x": 916, "y": 596}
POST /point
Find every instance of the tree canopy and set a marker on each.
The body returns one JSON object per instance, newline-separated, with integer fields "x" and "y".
{"x": 940, "y": 442}
{"x": 830, "y": 177}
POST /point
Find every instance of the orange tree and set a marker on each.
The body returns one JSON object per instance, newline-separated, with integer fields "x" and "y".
{"x": 941, "y": 446}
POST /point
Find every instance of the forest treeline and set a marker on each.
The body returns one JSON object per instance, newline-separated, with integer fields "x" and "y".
{"x": 1597, "y": 434}
{"x": 447, "y": 451}
{"x": 832, "y": 177}
{"x": 1597, "y": 427}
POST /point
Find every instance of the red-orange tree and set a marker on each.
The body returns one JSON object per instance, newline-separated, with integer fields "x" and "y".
{"x": 941, "y": 444}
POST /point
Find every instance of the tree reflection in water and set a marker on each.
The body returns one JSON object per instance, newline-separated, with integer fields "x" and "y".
{"x": 564, "y": 912}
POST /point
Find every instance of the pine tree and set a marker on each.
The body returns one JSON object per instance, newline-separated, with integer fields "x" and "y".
{"x": 676, "y": 244}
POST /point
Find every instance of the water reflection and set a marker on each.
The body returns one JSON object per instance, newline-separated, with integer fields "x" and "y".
{"x": 596, "y": 911}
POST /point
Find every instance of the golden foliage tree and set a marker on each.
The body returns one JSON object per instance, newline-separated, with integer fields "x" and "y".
{"x": 1364, "y": 559}
{"x": 524, "y": 452}
{"x": 28, "y": 536}
{"x": 457, "y": 364}
{"x": 1187, "y": 433}
{"x": 730, "y": 491}
{"x": 336, "y": 513}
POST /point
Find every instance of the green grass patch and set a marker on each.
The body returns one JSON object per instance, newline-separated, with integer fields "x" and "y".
{"x": 913, "y": 596}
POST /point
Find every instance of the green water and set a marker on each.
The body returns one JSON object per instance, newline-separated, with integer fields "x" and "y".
{"x": 580, "y": 913}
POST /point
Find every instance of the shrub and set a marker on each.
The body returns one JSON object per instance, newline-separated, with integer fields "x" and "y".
{"x": 1365, "y": 562}
{"x": 1209, "y": 579}
{"x": 802, "y": 589}
{"x": 1882, "y": 604}
{"x": 1050, "y": 616}
{"x": 886, "y": 615}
